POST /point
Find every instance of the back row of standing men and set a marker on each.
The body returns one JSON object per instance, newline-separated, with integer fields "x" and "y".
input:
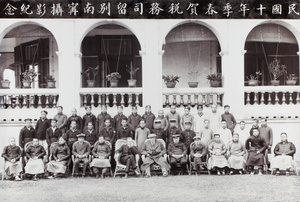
{"x": 139, "y": 127}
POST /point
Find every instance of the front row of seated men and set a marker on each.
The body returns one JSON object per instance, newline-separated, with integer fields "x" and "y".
{"x": 152, "y": 151}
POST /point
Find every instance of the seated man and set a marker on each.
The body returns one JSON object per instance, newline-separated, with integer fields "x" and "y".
{"x": 81, "y": 150}
{"x": 256, "y": 146}
{"x": 60, "y": 154}
{"x": 12, "y": 154}
{"x": 177, "y": 152}
{"x": 129, "y": 156}
{"x": 154, "y": 151}
{"x": 284, "y": 152}
{"x": 217, "y": 151}
{"x": 101, "y": 152}
{"x": 35, "y": 153}
{"x": 198, "y": 152}
{"x": 236, "y": 151}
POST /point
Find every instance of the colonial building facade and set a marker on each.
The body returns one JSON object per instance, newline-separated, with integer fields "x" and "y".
{"x": 65, "y": 48}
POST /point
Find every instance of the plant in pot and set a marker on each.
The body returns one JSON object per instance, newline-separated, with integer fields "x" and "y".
{"x": 253, "y": 79}
{"x": 215, "y": 79}
{"x": 170, "y": 80}
{"x": 5, "y": 83}
{"x": 28, "y": 77}
{"x": 291, "y": 79}
{"x": 193, "y": 75}
{"x": 91, "y": 74}
{"x": 50, "y": 81}
{"x": 132, "y": 71}
{"x": 113, "y": 79}
{"x": 276, "y": 70}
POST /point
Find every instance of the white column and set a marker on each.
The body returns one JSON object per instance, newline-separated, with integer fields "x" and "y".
{"x": 69, "y": 76}
{"x": 233, "y": 71}
{"x": 152, "y": 68}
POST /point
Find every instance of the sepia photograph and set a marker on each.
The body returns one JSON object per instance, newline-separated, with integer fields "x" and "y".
{"x": 149, "y": 100}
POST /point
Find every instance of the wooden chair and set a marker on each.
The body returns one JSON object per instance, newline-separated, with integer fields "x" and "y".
{"x": 155, "y": 168}
{"x": 178, "y": 165}
{"x": 121, "y": 168}
{"x": 109, "y": 158}
{"x": 295, "y": 169}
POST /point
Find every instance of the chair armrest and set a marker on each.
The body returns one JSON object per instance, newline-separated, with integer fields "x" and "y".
{"x": 143, "y": 157}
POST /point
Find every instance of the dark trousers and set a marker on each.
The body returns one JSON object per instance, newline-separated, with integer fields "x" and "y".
{"x": 129, "y": 161}
{"x": 76, "y": 164}
{"x": 173, "y": 162}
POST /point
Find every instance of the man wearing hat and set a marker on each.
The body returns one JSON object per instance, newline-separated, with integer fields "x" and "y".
{"x": 173, "y": 129}
{"x": 158, "y": 131}
{"x": 153, "y": 151}
{"x": 187, "y": 135}
{"x": 177, "y": 152}
{"x": 81, "y": 150}
{"x": 173, "y": 115}
{"x": 27, "y": 133}
{"x": 198, "y": 152}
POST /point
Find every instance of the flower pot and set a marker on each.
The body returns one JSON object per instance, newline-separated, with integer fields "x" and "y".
{"x": 253, "y": 83}
{"x": 114, "y": 83}
{"x": 131, "y": 83}
{"x": 193, "y": 84}
{"x": 171, "y": 84}
{"x": 215, "y": 83}
{"x": 51, "y": 84}
{"x": 5, "y": 83}
{"x": 90, "y": 83}
{"x": 275, "y": 82}
{"x": 291, "y": 82}
{"x": 26, "y": 84}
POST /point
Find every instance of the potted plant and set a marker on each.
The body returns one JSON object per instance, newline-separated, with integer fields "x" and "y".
{"x": 170, "y": 80}
{"x": 28, "y": 77}
{"x": 113, "y": 79}
{"x": 132, "y": 71}
{"x": 215, "y": 79}
{"x": 193, "y": 75}
{"x": 291, "y": 79}
{"x": 253, "y": 79}
{"x": 276, "y": 70}
{"x": 5, "y": 83}
{"x": 91, "y": 74}
{"x": 50, "y": 81}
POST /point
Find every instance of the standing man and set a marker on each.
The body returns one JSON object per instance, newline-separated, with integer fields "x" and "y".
{"x": 61, "y": 119}
{"x": 173, "y": 115}
{"x": 41, "y": 127}
{"x": 101, "y": 118}
{"x": 134, "y": 119}
{"x": 206, "y": 134}
{"x": 229, "y": 118}
{"x": 149, "y": 117}
{"x": 214, "y": 119}
{"x": 27, "y": 133}
{"x": 88, "y": 117}
{"x": 52, "y": 134}
{"x": 224, "y": 133}
{"x": 267, "y": 133}
{"x": 199, "y": 120}
{"x": 76, "y": 118}
{"x": 243, "y": 133}
{"x": 119, "y": 117}
{"x": 254, "y": 126}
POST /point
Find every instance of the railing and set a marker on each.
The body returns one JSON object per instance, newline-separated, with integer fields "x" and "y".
{"x": 272, "y": 95}
{"x": 111, "y": 97}
{"x": 28, "y": 98}
{"x": 192, "y": 96}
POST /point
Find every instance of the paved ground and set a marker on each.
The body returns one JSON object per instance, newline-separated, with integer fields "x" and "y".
{"x": 173, "y": 188}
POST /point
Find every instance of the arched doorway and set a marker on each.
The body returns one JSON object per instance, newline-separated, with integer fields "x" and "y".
{"x": 107, "y": 49}
{"x": 191, "y": 52}
{"x": 271, "y": 55}
{"x": 30, "y": 47}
